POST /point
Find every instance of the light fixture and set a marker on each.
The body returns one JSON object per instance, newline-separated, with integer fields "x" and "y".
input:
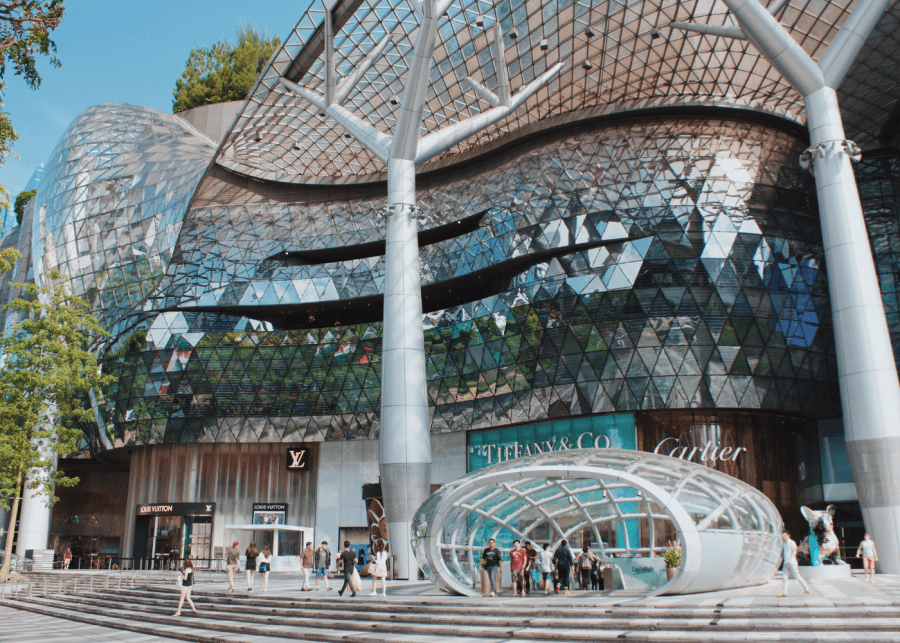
{"x": 544, "y": 45}
{"x": 587, "y": 64}
{"x": 588, "y": 31}
{"x": 513, "y": 34}
{"x": 479, "y": 21}
{"x": 654, "y": 33}
{"x": 394, "y": 100}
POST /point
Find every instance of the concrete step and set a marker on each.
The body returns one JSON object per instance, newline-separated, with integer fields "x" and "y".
{"x": 368, "y": 619}
{"x": 526, "y": 608}
{"x": 362, "y": 620}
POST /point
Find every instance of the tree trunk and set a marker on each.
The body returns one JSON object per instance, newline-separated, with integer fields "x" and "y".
{"x": 10, "y": 535}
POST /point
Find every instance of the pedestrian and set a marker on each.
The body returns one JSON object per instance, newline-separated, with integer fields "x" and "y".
{"x": 252, "y": 554}
{"x": 187, "y": 584}
{"x": 545, "y": 561}
{"x": 348, "y": 566}
{"x": 789, "y": 567}
{"x": 518, "y": 558}
{"x": 530, "y": 566}
{"x": 562, "y": 562}
{"x": 265, "y": 562}
{"x": 306, "y": 565}
{"x": 869, "y": 556}
{"x": 67, "y": 558}
{"x": 323, "y": 562}
{"x": 493, "y": 565}
{"x": 232, "y": 562}
{"x": 585, "y": 562}
{"x": 379, "y": 558}
{"x": 597, "y": 575}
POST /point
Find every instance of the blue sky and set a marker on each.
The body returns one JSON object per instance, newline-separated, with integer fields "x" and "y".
{"x": 125, "y": 51}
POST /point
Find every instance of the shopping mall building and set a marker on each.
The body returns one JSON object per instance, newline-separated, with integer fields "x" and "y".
{"x": 634, "y": 258}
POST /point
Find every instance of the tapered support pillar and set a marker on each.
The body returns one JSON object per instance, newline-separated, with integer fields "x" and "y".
{"x": 405, "y": 431}
{"x": 34, "y": 521}
{"x": 870, "y": 393}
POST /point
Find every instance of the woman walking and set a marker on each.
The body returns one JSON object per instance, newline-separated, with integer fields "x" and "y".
{"x": 586, "y": 561}
{"x": 265, "y": 561}
{"x": 869, "y": 555}
{"x": 379, "y": 557}
{"x": 187, "y": 584}
{"x": 562, "y": 561}
{"x": 252, "y": 554}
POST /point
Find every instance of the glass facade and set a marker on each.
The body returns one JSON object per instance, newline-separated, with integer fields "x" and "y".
{"x": 648, "y": 264}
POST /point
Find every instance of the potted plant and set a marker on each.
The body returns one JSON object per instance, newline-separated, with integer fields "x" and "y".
{"x": 673, "y": 560}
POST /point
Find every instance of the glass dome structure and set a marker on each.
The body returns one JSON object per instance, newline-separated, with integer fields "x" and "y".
{"x": 626, "y": 504}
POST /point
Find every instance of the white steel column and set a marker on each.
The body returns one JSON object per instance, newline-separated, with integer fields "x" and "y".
{"x": 870, "y": 395}
{"x": 34, "y": 519}
{"x": 870, "y": 392}
{"x": 405, "y": 440}
{"x": 405, "y": 463}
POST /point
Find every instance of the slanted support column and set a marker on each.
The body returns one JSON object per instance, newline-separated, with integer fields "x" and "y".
{"x": 34, "y": 520}
{"x": 870, "y": 393}
{"x": 405, "y": 463}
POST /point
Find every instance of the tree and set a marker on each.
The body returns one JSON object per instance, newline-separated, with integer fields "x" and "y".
{"x": 223, "y": 72}
{"x": 25, "y": 27}
{"x": 46, "y": 373}
{"x": 21, "y": 201}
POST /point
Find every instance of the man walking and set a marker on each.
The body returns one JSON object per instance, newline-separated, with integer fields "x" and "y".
{"x": 306, "y": 564}
{"x": 789, "y": 568}
{"x": 545, "y": 562}
{"x": 492, "y": 565}
{"x": 530, "y": 566}
{"x": 323, "y": 562}
{"x": 348, "y": 564}
{"x": 232, "y": 561}
{"x": 517, "y": 560}
{"x": 562, "y": 559}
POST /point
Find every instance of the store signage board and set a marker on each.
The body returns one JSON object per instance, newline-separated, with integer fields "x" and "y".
{"x": 269, "y": 513}
{"x": 297, "y": 458}
{"x": 177, "y": 509}
{"x": 500, "y": 445}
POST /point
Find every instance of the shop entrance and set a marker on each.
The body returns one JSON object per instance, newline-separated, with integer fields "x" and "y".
{"x": 166, "y": 534}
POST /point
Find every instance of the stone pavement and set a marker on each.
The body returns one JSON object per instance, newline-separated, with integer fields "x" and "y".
{"x": 850, "y": 610}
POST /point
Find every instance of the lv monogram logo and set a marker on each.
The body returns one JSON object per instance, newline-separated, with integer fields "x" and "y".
{"x": 296, "y": 459}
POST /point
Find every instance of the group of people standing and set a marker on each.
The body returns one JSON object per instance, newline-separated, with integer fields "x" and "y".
{"x": 544, "y": 569}
{"x": 257, "y": 561}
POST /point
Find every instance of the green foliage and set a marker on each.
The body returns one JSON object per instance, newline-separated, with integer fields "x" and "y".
{"x": 47, "y": 372}
{"x": 672, "y": 556}
{"x": 223, "y": 72}
{"x": 21, "y": 201}
{"x": 25, "y": 27}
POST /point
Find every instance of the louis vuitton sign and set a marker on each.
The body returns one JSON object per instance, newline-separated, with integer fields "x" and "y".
{"x": 297, "y": 458}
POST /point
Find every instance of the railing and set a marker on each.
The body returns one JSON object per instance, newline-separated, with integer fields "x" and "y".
{"x": 61, "y": 585}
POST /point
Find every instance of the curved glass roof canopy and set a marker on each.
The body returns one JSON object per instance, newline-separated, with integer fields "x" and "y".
{"x": 625, "y": 503}
{"x": 619, "y": 56}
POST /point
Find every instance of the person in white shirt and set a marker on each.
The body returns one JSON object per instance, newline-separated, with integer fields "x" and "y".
{"x": 869, "y": 555}
{"x": 789, "y": 568}
{"x": 545, "y": 561}
{"x": 379, "y": 570}
{"x": 265, "y": 562}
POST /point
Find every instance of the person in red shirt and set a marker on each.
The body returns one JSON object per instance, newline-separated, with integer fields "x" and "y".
{"x": 517, "y": 559}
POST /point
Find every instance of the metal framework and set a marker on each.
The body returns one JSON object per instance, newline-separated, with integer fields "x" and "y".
{"x": 870, "y": 391}
{"x": 728, "y": 531}
{"x": 405, "y": 463}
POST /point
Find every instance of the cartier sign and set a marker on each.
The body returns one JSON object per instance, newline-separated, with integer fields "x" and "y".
{"x": 709, "y": 452}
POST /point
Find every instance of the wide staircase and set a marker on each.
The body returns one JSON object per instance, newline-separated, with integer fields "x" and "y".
{"x": 252, "y": 618}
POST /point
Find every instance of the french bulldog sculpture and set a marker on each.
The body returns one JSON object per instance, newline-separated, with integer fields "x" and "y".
{"x": 825, "y": 546}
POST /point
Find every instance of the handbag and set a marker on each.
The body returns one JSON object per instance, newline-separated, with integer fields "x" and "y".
{"x": 179, "y": 580}
{"x": 263, "y": 568}
{"x": 367, "y": 569}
